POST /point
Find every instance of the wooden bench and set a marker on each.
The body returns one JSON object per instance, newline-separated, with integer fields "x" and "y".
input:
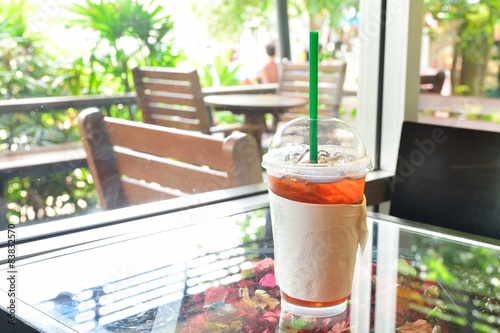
{"x": 41, "y": 160}
{"x": 135, "y": 163}
{"x": 69, "y": 156}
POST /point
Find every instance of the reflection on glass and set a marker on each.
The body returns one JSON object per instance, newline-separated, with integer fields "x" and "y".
{"x": 145, "y": 294}
{"x": 424, "y": 281}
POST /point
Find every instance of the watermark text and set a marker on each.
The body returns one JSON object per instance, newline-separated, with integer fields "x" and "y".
{"x": 11, "y": 274}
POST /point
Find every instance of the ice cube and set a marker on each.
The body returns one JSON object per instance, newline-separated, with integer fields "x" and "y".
{"x": 341, "y": 159}
{"x": 296, "y": 158}
{"x": 323, "y": 157}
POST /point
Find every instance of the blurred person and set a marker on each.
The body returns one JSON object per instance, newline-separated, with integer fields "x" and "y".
{"x": 269, "y": 72}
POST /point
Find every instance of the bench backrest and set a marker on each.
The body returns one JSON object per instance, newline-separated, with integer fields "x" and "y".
{"x": 448, "y": 177}
{"x": 171, "y": 97}
{"x": 294, "y": 81}
{"x": 134, "y": 163}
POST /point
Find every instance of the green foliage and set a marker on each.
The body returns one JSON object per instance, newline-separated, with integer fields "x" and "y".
{"x": 471, "y": 24}
{"x": 406, "y": 269}
{"x": 454, "y": 279}
{"x": 13, "y": 22}
{"x": 461, "y": 90}
{"x": 227, "y": 117}
{"x": 51, "y": 194}
{"x": 227, "y": 19}
{"x": 225, "y": 73}
{"x": 26, "y": 70}
{"x": 438, "y": 271}
{"x": 468, "y": 268}
{"x": 329, "y": 12}
{"x": 252, "y": 225}
{"x": 47, "y": 197}
{"x": 23, "y": 131}
{"x": 131, "y": 33}
{"x": 221, "y": 73}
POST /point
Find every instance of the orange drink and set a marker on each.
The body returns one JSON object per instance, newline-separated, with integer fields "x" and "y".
{"x": 346, "y": 191}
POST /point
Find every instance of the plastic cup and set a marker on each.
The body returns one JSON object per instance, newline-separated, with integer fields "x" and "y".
{"x": 317, "y": 213}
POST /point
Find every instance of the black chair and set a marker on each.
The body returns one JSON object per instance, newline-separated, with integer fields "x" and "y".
{"x": 432, "y": 83}
{"x": 448, "y": 177}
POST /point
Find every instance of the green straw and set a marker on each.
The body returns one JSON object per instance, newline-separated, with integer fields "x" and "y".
{"x": 313, "y": 95}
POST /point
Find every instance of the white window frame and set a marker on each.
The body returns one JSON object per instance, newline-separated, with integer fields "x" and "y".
{"x": 381, "y": 112}
{"x": 380, "y": 126}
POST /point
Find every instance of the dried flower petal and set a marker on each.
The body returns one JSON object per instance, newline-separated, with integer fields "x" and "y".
{"x": 252, "y": 305}
{"x": 216, "y": 327}
{"x": 215, "y": 295}
{"x": 419, "y": 326}
{"x": 236, "y": 326}
{"x": 263, "y": 264}
{"x": 243, "y": 293}
{"x": 340, "y": 327}
{"x": 432, "y": 291}
{"x": 406, "y": 296}
{"x": 261, "y": 298}
{"x": 268, "y": 281}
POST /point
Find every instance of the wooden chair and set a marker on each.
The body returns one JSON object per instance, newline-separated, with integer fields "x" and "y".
{"x": 294, "y": 81}
{"x": 134, "y": 162}
{"x": 172, "y": 97}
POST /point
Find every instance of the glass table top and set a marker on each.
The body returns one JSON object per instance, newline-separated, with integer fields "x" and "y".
{"x": 217, "y": 276}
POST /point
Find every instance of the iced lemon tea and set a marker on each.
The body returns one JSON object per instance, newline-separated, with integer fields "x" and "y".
{"x": 317, "y": 212}
{"x": 346, "y": 191}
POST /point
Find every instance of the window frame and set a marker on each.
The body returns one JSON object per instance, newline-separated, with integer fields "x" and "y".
{"x": 387, "y": 58}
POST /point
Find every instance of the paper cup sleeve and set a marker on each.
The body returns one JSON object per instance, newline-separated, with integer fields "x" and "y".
{"x": 315, "y": 247}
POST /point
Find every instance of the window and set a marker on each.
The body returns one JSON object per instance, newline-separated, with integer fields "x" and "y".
{"x": 358, "y": 36}
{"x": 460, "y": 41}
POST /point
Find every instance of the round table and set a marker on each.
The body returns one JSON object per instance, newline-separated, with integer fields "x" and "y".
{"x": 254, "y": 106}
